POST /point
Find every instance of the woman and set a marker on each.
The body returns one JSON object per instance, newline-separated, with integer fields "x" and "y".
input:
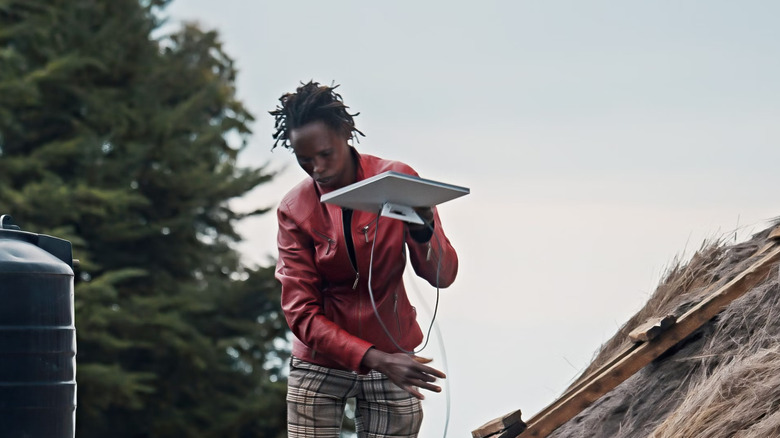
{"x": 341, "y": 349}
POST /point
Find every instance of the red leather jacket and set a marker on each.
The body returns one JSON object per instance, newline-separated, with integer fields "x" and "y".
{"x": 326, "y": 300}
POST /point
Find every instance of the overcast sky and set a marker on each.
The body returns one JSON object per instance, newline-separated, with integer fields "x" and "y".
{"x": 600, "y": 140}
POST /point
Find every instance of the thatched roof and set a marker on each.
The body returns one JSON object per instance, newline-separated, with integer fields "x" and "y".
{"x": 712, "y": 369}
{"x": 721, "y": 381}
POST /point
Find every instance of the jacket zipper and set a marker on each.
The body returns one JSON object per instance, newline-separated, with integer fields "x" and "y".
{"x": 351, "y": 263}
{"x": 330, "y": 241}
{"x": 365, "y": 228}
{"x": 357, "y": 273}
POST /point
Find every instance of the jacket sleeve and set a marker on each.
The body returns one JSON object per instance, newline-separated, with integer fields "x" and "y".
{"x": 436, "y": 260}
{"x": 302, "y": 299}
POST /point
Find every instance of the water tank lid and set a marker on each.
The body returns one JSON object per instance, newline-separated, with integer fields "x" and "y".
{"x": 32, "y": 252}
{"x": 7, "y": 223}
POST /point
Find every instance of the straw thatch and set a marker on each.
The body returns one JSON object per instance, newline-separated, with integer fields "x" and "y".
{"x": 721, "y": 381}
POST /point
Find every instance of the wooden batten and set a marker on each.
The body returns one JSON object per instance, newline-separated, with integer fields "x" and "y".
{"x": 510, "y": 423}
{"x": 652, "y": 328}
{"x": 651, "y": 340}
{"x": 774, "y": 234}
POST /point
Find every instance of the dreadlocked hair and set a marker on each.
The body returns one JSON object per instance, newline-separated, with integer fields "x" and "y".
{"x": 312, "y": 102}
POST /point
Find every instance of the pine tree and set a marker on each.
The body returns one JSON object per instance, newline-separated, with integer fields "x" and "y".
{"x": 126, "y": 144}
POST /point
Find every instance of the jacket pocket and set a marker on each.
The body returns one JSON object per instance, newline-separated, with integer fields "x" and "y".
{"x": 324, "y": 245}
{"x": 367, "y": 230}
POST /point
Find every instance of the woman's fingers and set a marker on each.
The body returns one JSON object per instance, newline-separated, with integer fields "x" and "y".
{"x": 412, "y": 390}
{"x": 425, "y": 376}
{"x": 432, "y": 371}
{"x": 422, "y": 359}
{"x": 409, "y": 373}
{"x": 430, "y": 387}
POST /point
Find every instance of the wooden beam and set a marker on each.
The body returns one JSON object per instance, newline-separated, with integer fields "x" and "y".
{"x": 636, "y": 356}
{"x": 513, "y": 430}
{"x": 511, "y": 422}
{"x": 652, "y": 328}
{"x": 697, "y": 316}
{"x": 589, "y": 379}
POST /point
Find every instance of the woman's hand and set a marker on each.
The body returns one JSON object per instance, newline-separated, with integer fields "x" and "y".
{"x": 426, "y": 214}
{"x": 405, "y": 370}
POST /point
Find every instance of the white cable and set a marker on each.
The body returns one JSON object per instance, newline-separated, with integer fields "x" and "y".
{"x": 433, "y": 318}
{"x": 444, "y": 365}
{"x": 373, "y": 302}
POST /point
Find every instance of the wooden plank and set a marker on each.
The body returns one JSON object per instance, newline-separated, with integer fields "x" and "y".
{"x": 575, "y": 402}
{"x": 509, "y": 422}
{"x": 652, "y": 328}
{"x": 636, "y": 356}
{"x": 513, "y": 430}
{"x": 588, "y": 380}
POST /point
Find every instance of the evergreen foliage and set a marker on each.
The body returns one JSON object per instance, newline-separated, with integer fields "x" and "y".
{"x": 126, "y": 144}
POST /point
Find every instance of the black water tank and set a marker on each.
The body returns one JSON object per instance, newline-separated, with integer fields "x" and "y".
{"x": 37, "y": 335}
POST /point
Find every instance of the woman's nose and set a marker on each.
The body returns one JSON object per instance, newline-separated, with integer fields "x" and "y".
{"x": 318, "y": 165}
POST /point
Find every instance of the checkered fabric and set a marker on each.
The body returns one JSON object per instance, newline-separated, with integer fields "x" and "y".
{"x": 316, "y": 397}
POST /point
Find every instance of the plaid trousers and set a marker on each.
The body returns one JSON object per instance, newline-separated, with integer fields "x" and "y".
{"x": 316, "y": 397}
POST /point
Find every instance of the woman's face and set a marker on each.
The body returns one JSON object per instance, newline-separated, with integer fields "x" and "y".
{"x": 323, "y": 153}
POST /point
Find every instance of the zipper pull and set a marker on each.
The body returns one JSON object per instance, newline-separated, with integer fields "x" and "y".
{"x": 357, "y": 278}
{"x": 428, "y": 255}
{"x": 365, "y": 233}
